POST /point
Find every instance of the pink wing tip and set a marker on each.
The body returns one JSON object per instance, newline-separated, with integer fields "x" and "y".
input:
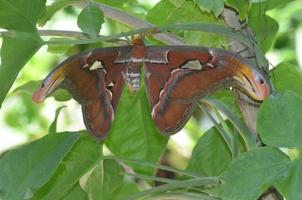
{"x": 38, "y": 96}
{"x": 266, "y": 92}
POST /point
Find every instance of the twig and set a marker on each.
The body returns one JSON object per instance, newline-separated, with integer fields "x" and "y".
{"x": 137, "y": 23}
{"x": 225, "y": 135}
{"x": 134, "y": 22}
{"x": 117, "y": 16}
{"x": 58, "y": 33}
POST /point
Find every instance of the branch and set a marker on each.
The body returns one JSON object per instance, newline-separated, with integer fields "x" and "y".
{"x": 58, "y": 33}
{"x": 136, "y": 23}
{"x": 118, "y": 16}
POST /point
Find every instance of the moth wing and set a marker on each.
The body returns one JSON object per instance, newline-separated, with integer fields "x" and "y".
{"x": 172, "y": 84}
{"x": 95, "y": 80}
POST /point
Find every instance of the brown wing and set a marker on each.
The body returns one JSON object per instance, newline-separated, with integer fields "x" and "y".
{"x": 95, "y": 81}
{"x": 189, "y": 73}
{"x": 161, "y": 79}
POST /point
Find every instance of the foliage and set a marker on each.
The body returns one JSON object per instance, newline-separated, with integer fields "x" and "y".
{"x": 225, "y": 162}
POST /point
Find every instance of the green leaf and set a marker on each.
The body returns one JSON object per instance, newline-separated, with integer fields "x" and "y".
{"x": 11, "y": 65}
{"x": 58, "y": 49}
{"x": 61, "y": 95}
{"x": 242, "y": 6}
{"x": 91, "y": 19}
{"x": 177, "y": 3}
{"x": 186, "y": 13}
{"x": 76, "y": 192}
{"x": 238, "y": 123}
{"x": 279, "y": 120}
{"x": 210, "y": 155}
{"x": 151, "y": 165}
{"x": 285, "y": 76}
{"x": 31, "y": 86}
{"x": 265, "y": 28}
{"x": 20, "y": 15}
{"x": 223, "y": 129}
{"x": 211, "y": 5}
{"x": 133, "y": 134}
{"x": 251, "y": 173}
{"x": 28, "y": 88}
{"x": 106, "y": 182}
{"x": 181, "y": 195}
{"x": 227, "y": 98}
{"x": 185, "y": 184}
{"x": 85, "y": 154}
{"x": 53, "y": 126}
{"x": 290, "y": 186}
{"x": 270, "y": 4}
{"x": 119, "y": 4}
{"x": 52, "y": 9}
{"x": 26, "y": 169}
{"x": 127, "y": 188}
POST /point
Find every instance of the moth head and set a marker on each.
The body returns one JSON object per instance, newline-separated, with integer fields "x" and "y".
{"x": 49, "y": 84}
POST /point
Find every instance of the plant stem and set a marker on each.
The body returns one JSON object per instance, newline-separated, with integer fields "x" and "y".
{"x": 223, "y": 133}
{"x": 196, "y": 182}
{"x": 144, "y": 163}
